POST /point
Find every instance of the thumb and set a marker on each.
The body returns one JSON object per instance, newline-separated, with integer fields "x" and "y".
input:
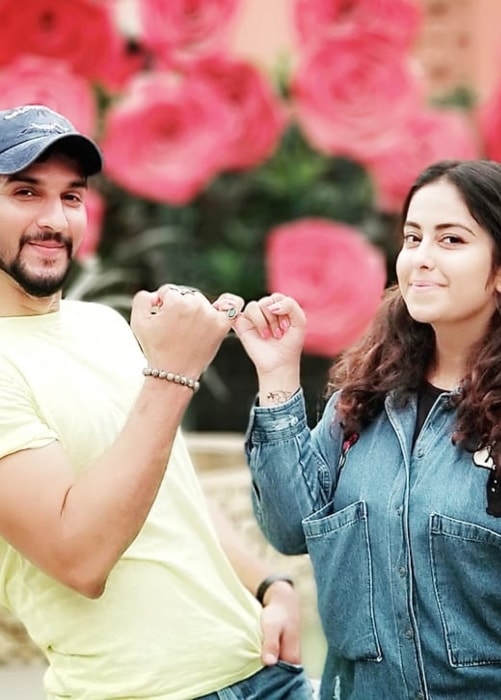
{"x": 241, "y": 325}
{"x": 271, "y": 643}
{"x": 142, "y": 304}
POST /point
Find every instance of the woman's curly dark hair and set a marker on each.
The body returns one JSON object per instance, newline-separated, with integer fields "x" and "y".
{"x": 397, "y": 351}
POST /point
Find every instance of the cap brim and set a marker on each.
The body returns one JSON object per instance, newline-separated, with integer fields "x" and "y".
{"x": 24, "y": 154}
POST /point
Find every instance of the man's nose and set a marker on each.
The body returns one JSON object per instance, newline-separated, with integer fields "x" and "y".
{"x": 52, "y": 215}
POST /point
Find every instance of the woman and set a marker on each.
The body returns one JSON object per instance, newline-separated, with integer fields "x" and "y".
{"x": 394, "y": 494}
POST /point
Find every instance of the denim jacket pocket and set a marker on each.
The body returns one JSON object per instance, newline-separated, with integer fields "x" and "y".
{"x": 466, "y": 569}
{"x": 338, "y": 544}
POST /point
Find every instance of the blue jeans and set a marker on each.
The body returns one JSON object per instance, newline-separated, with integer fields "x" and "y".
{"x": 282, "y": 681}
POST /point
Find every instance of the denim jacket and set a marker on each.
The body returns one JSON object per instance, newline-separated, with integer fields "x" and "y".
{"x": 407, "y": 561}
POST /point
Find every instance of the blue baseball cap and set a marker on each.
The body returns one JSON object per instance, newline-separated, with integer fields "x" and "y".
{"x": 29, "y": 130}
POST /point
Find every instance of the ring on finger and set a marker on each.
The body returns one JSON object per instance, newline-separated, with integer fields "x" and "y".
{"x": 181, "y": 289}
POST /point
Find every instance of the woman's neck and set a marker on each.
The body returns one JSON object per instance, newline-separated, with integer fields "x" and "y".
{"x": 450, "y": 362}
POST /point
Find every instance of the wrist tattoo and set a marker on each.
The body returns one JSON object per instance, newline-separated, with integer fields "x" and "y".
{"x": 279, "y": 396}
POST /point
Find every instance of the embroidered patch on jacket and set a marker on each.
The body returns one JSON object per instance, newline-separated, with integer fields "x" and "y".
{"x": 482, "y": 458}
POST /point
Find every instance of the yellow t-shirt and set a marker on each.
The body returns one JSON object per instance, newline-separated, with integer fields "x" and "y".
{"x": 174, "y": 622}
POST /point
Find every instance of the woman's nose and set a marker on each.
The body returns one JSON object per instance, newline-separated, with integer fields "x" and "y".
{"x": 424, "y": 255}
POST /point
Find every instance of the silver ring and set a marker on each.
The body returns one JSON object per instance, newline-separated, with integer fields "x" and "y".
{"x": 231, "y": 313}
{"x": 181, "y": 289}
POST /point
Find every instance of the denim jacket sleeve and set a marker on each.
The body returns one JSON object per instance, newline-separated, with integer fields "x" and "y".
{"x": 293, "y": 468}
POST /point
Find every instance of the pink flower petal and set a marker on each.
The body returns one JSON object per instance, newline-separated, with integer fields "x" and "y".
{"x": 336, "y": 275}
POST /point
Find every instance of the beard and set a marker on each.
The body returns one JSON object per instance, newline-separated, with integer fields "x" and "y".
{"x": 38, "y": 284}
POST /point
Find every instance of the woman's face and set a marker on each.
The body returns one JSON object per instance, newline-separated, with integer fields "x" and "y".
{"x": 444, "y": 268}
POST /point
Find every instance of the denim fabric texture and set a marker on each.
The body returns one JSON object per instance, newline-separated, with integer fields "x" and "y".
{"x": 282, "y": 681}
{"x": 407, "y": 561}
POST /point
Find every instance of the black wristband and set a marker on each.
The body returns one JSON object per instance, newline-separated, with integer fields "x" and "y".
{"x": 268, "y": 581}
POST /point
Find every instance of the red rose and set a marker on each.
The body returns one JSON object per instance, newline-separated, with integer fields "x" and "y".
{"x": 36, "y": 80}
{"x": 352, "y": 91}
{"x": 399, "y": 20}
{"x": 81, "y": 32}
{"x": 489, "y": 124}
{"x": 169, "y": 26}
{"x": 257, "y": 115}
{"x": 427, "y": 136}
{"x": 166, "y": 139}
{"x": 94, "y": 205}
{"x": 334, "y": 273}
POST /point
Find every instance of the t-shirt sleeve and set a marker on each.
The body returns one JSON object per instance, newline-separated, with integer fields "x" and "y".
{"x": 21, "y": 426}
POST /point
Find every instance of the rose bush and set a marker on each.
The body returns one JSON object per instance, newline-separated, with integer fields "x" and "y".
{"x": 208, "y": 154}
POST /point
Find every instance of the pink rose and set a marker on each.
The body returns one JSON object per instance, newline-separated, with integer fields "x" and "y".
{"x": 166, "y": 138}
{"x": 352, "y": 91}
{"x": 94, "y": 205}
{"x": 170, "y": 26}
{"x": 428, "y": 136}
{"x": 38, "y": 80}
{"x": 129, "y": 59}
{"x": 489, "y": 124}
{"x": 80, "y": 32}
{"x": 258, "y": 118}
{"x": 399, "y": 20}
{"x": 334, "y": 273}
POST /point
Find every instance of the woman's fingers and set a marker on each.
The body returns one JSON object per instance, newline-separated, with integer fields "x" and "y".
{"x": 273, "y": 315}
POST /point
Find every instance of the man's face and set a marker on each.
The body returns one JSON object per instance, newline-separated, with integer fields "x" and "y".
{"x": 42, "y": 223}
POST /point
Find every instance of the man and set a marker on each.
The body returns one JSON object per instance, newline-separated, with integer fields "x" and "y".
{"x": 107, "y": 551}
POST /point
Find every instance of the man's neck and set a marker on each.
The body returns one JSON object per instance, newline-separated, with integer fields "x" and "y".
{"x": 14, "y": 301}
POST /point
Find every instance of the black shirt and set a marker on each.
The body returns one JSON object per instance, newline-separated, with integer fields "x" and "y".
{"x": 427, "y": 395}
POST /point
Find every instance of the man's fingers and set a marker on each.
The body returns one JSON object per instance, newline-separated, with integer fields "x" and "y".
{"x": 271, "y": 640}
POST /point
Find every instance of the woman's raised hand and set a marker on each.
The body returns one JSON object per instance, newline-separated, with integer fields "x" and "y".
{"x": 272, "y": 333}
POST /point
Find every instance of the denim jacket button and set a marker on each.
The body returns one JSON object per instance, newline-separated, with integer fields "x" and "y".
{"x": 409, "y": 634}
{"x": 419, "y": 695}
{"x": 402, "y": 571}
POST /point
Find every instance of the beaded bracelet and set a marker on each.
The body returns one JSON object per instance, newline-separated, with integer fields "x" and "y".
{"x": 269, "y": 581}
{"x": 192, "y": 384}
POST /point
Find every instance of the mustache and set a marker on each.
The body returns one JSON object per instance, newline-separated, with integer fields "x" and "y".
{"x": 46, "y": 236}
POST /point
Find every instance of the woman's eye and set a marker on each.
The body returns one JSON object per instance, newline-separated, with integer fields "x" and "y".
{"x": 411, "y": 238}
{"x": 451, "y": 239}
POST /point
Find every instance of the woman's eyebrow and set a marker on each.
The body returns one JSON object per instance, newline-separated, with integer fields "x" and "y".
{"x": 441, "y": 227}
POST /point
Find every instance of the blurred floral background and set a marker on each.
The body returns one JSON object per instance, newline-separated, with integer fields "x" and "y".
{"x": 226, "y": 173}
